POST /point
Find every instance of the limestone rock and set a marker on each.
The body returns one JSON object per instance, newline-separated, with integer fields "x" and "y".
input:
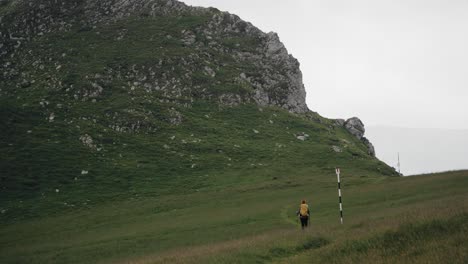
{"x": 336, "y": 149}
{"x": 302, "y": 136}
{"x": 87, "y": 140}
{"x": 370, "y": 147}
{"x": 355, "y": 126}
{"x": 51, "y": 117}
{"x": 340, "y": 122}
{"x": 230, "y": 99}
{"x": 274, "y": 48}
{"x": 175, "y": 117}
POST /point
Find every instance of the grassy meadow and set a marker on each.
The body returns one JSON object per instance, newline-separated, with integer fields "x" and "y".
{"x": 419, "y": 219}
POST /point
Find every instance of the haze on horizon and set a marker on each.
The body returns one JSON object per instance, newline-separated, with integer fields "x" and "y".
{"x": 395, "y": 64}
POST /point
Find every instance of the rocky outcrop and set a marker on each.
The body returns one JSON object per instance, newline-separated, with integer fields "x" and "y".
{"x": 277, "y": 79}
{"x": 370, "y": 147}
{"x": 355, "y": 126}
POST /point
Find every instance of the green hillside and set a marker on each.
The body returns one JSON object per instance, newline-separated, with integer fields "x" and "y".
{"x": 147, "y": 131}
{"x": 202, "y": 154}
{"x": 97, "y": 108}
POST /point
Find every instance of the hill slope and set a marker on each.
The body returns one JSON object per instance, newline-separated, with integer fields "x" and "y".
{"x": 106, "y": 100}
{"x": 149, "y": 131}
{"x": 386, "y": 219}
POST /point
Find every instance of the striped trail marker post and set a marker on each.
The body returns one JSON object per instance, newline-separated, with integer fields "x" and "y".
{"x": 337, "y": 170}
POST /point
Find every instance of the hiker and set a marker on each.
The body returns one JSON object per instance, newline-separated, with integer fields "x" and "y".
{"x": 303, "y": 214}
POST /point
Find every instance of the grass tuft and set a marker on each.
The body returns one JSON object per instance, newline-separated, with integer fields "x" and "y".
{"x": 313, "y": 243}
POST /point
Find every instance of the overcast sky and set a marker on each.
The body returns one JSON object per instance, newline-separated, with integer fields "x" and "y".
{"x": 398, "y": 63}
{"x": 421, "y": 150}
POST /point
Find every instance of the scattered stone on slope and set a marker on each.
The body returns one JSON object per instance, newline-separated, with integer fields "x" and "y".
{"x": 302, "y": 136}
{"x": 336, "y": 149}
{"x": 87, "y": 140}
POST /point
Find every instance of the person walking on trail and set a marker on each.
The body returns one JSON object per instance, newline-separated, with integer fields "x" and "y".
{"x": 304, "y": 214}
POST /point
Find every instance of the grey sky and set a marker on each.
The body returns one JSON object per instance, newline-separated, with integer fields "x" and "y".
{"x": 421, "y": 150}
{"x": 394, "y": 62}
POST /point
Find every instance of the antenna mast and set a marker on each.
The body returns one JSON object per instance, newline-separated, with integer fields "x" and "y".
{"x": 399, "y": 163}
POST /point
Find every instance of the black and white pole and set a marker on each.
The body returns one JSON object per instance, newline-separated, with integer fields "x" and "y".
{"x": 337, "y": 170}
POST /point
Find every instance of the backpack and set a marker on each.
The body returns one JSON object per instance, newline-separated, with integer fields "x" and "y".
{"x": 304, "y": 211}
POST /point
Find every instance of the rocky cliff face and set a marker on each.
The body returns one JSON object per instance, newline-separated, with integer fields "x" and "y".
{"x": 272, "y": 77}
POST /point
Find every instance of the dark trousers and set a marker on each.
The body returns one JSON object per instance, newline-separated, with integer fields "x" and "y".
{"x": 304, "y": 221}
